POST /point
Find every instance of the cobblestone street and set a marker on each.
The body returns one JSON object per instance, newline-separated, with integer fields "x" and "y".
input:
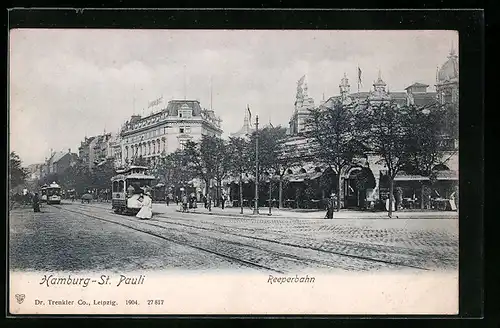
{"x": 77, "y": 237}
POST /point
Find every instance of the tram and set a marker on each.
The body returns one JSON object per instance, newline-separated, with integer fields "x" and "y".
{"x": 43, "y": 193}
{"x": 126, "y": 188}
{"x": 53, "y": 194}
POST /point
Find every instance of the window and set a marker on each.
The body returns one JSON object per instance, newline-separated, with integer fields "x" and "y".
{"x": 115, "y": 186}
{"x": 120, "y": 186}
{"x": 181, "y": 130}
{"x": 187, "y": 129}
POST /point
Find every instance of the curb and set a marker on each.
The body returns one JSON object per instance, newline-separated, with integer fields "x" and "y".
{"x": 378, "y": 217}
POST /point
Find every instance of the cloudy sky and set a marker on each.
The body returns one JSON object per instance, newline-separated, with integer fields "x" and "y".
{"x": 65, "y": 84}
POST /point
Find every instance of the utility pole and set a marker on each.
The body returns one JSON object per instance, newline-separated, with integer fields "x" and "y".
{"x": 256, "y": 205}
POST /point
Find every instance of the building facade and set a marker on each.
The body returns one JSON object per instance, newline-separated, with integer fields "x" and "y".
{"x": 166, "y": 131}
{"x": 315, "y": 178}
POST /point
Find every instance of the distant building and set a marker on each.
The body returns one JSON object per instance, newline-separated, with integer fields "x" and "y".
{"x": 166, "y": 131}
{"x": 85, "y": 150}
{"x": 246, "y": 129}
{"x": 303, "y": 104}
{"x": 61, "y": 161}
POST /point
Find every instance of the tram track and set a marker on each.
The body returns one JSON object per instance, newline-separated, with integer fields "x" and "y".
{"x": 228, "y": 257}
{"x": 168, "y": 225}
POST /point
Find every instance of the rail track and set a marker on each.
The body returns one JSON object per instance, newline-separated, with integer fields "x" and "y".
{"x": 213, "y": 237}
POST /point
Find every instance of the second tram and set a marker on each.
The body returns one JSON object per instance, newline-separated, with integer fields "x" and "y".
{"x": 43, "y": 193}
{"x": 126, "y": 188}
{"x": 53, "y": 194}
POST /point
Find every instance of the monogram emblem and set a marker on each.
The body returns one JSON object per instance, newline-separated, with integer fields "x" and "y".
{"x": 20, "y": 298}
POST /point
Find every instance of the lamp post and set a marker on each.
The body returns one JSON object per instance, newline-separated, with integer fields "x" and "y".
{"x": 256, "y": 205}
{"x": 270, "y": 192}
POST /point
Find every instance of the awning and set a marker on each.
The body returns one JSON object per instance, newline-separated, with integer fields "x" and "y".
{"x": 300, "y": 177}
{"x": 440, "y": 176}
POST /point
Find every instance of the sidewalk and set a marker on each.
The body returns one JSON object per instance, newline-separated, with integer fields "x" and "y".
{"x": 287, "y": 213}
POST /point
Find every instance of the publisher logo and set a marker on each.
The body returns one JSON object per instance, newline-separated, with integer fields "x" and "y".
{"x": 20, "y": 298}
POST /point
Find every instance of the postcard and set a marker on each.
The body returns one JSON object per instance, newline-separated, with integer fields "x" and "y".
{"x": 233, "y": 172}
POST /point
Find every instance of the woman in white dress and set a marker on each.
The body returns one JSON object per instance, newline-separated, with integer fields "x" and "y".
{"x": 146, "y": 211}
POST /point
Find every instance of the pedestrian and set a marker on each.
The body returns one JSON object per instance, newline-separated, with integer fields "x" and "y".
{"x": 167, "y": 199}
{"x": 222, "y": 200}
{"x": 36, "y": 203}
{"x": 184, "y": 203}
{"x": 330, "y": 205}
{"x": 146, "y": 211}
{"x": 205, "y": 201}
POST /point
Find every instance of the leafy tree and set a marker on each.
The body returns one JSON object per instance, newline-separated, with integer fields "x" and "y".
{"x": 198, "y": 163}
{"x": 17, "y": 174}
{"x": 173, "y": 168}
{"x": 239, "y": 161}
{"x": 102, "y": 174}
{"x": 389, "y": 136}
{"x": 274, "y": 157}
{"x": 336, "y": 137}
{"x": 425, "y": 141}
{"x": 77, "y": 177}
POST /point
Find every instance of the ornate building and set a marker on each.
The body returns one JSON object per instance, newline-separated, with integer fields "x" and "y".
{"x": 311, "y": 172}
{"x": 303, "y": 103}
{"x": 447, "y": 80}
{"x": 164, "y": 132}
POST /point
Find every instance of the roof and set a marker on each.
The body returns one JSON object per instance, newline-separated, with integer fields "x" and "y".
{"x": 58, "y": 156}
{"x": 418, "y": 85}
{"x": 173, "y": 107}
{"x": 133, "y": 176}
{"x": 427, "y": 98}
{"x": 440, "y": 175}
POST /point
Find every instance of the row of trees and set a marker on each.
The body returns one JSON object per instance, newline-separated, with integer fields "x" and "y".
{"x": 405, "y": 138}
{"x": 17, "y": 174}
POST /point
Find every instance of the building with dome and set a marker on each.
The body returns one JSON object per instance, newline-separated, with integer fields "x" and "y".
{"x": 167, "y": 130}
{"x": 313, "y": 180}
{"x": 447, "y": 80}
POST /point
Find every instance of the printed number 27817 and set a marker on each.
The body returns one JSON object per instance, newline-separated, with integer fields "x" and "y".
{"x": 155, "y": 302}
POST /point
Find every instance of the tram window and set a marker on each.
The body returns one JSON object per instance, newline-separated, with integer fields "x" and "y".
{"x": 115, "y": 186}
{"x": 120, "y": 186}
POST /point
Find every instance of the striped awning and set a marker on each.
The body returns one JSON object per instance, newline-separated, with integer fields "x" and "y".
{"x": 440, "y": 176}
{"x": 300, "y": 177}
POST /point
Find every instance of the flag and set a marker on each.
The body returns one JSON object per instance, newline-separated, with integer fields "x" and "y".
{"x": 249, "y": 114}
{"x": 359, "y": 75}
{"x": 155, "y": 102}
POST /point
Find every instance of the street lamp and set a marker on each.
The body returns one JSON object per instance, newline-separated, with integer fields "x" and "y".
{"x": 256, "y": 205}
{"x": 270, "y": 175}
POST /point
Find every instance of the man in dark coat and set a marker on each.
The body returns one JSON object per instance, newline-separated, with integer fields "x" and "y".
{"x": 36, "y": 203}
{"x": 330, "y": 207}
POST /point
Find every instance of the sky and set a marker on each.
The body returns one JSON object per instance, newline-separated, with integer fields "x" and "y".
{"x": 68, "y": 84}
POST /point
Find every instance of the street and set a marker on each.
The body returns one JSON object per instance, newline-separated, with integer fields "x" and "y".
{"x": 90, "y": 237}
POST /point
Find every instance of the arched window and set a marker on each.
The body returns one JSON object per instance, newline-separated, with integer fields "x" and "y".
{"x": 303, "y": 170}
{"x": 317, "y": 169}
{"x": 289, "y": 171}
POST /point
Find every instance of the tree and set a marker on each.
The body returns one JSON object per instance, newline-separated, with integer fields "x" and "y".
{"x": 102, "y": 174}
{"x": 77, "y": 177}
{"x": 335, "y": 137}
{"x": 274, "y": 157}
{"x": 239, "y": 161}
{"x": 388, "y": 135}
{"x": 17, "y": 174}
{"x": 198, "y": 163}
{"x": 426, "y": 140}
{"x": 173, "y": 169}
